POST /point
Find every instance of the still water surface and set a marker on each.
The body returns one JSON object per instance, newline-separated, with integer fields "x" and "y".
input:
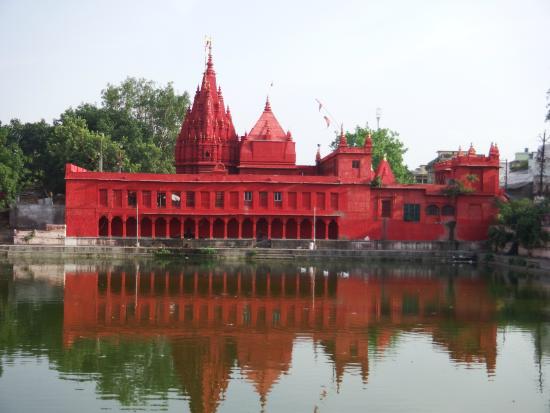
{"x": 144, "y": 336}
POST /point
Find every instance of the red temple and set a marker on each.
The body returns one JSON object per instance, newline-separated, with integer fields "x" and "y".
{"x": 234, "y": 187}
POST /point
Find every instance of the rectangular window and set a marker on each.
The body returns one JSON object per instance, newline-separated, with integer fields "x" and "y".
{"x": 176, "y": 199}
{"x": 248, "y": 199}
{"x": 190, "y": 199}
{"x": 161, "y": 199}
{"x": 277, "y": 197}
{"x": 334, "y": 201}
{"x": 306, "y": 200}
{"x": 132, "y": 198}
{"x": 320, "y": 198}
{"x": 263, "y": 199}
{"x": 386, "y": 208}
{"x": 234, "y": 200}
{"x": 292, "y": 200}
{"x": 219, "y": 199}
{"x": 355, "y": 164}
{"x": 205, "y": 199}
{"x": 146, "y": 199}
{"x": 117, "y": 198}
{"x": 411, "y": 212}
{"x": 103, "y": 200}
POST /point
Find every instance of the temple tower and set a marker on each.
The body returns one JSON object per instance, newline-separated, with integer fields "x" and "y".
{"x": 207, "y": 141}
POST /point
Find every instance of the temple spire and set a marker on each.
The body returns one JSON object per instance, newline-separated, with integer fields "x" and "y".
{"x": 267, "y": 107}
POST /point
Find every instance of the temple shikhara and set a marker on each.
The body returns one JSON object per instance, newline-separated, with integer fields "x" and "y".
{"x": 228, "y": 186}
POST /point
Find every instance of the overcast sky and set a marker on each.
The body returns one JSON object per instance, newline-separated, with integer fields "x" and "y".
{"x": 445, "y": 73}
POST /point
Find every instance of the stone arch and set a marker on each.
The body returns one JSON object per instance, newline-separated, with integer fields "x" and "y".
{"x": 333, "y": 230}
{"x": 219, "y": 227}
{"x": 175, "y": 228}
{"x": 320, "y": 229}
{"x": 306, "y": 229}
{"x": 247, "y": 228}
{"x": 233, "y": 228}
{"x": 291, "y": 229}
{"x": 204, "y": 228}
{"x": 131, "y": 227}
{"x": 189, "y": 228}
{"x": 103, "y": 227}
{"x": 276, "y": 229}
{"x": 116, "y": 227}
{"x": 261, "y": 228}
{"x": 160, "y": 228}
{"x": 146, "y": 227}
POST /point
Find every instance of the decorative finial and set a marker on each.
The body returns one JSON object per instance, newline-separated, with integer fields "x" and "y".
{"x": 343, "y": 141}
{"x": 267, "y": 105}
{"x": 318, "y": 155}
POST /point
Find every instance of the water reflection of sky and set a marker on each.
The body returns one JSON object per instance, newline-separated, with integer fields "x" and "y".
{"x": 245, "y": 337}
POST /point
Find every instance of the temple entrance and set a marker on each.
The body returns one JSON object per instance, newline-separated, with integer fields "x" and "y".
{"x": 276, "y": 229}
{"x": 175, "y": 228}
{"x": 189, "y": 228}
{"x": 131, "y": 227}
{"x": 306, "y": 229}
{"x": 248, "y": 229}
{"x": 146, "y": 227}
{"x": 291, "y": 229}
{"x": 333, "y": 230}
{"x": 261, "y": 229}
{"x": 116, "y": 227}
{"x": 160, "y": 228}
{"x": 219, "y": 228}
{"x": 233, "y": 228}
{"x": 204, "y": 228}
{"x": 103, "y": 227}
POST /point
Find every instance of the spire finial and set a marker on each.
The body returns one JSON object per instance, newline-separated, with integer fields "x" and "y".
{"x": 267, "y": 105}
{"x": 318, "y": 155}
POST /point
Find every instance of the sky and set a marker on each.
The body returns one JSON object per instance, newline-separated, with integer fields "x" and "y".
{"x": 444, "y": 73}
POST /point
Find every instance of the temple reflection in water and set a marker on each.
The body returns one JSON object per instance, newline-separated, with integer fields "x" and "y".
{"x": 249, "y": 318}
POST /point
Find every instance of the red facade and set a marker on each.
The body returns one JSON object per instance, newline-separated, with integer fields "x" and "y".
{"x": 251, "y": 187}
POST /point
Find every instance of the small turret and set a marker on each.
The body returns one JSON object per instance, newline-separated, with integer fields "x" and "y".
{"x": 471, "y": 151}
{"x": 368, "y": 141}
{"x": 343, "y": 143}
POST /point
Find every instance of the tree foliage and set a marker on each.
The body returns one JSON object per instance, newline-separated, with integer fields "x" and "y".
{"x": 521, "y": 222}
{"x": 384, "y": 142}
{"x": 12, "y": 168}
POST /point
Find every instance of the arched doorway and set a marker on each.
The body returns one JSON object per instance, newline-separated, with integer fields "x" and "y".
{"x": 333, "y": 230}
{"x": 116, "y": 227}
{"x": 175, "y": 228}
{"x": 146, "y": 228}
{"x": 291, "y": 229}
{"x": 103, "y": 227}
{"x": 131, "y": 227}
{"x": 233, "y": 228}
{"x": 218, "y": 229}
{"x": 189, "y": 228}
{"x": 261, "y": 229}
{"x": 320, "y": 229}
{"x": 305, "y": 229}
{"x": 160, "y": 228}
{"x": 248, "y": 229}
{"x": 204, "y": 228}
{"x": 276, "y": 229}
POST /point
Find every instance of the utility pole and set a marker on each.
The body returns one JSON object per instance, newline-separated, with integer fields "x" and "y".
{"x": 542, "y": 163}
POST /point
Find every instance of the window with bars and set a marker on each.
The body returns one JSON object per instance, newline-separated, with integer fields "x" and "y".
{"x": 190, "y": 199}
{"x": 411, "y": 212}
{"x": 278, "y": 196}
{"x": 103, "y": 199}
{"x": 146, "y": 195}
{"x": 355, "y": 164}
{"x": 263, "y": 199}
{"x": 386, "y": 208}
{"x": 219, "y": 199}
{"x": 132, "y": 198}
{"x": 161, "y": 199}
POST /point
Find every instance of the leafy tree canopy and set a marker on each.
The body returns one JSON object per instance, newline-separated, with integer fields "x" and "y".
{"x": 384, "y": 142}
{"x": 12, "y": 168}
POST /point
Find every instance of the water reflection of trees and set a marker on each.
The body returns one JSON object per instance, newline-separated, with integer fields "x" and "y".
{"x": 201, "y": 323}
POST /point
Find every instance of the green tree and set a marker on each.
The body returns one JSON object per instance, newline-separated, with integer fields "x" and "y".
{"x": 520, "y": 221}
{"x": 12, "y": 168}
{"x": 73, "y": 142}
{"x": 384, "y": 142}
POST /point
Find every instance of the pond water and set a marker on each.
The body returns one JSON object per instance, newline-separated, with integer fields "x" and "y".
{"x": 149, "y": 336}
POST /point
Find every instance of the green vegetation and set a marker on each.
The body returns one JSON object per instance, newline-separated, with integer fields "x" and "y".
{"x": 520, "y": 222}
{"x": 384, "y": 142}
{"x": 134, "y": 129}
